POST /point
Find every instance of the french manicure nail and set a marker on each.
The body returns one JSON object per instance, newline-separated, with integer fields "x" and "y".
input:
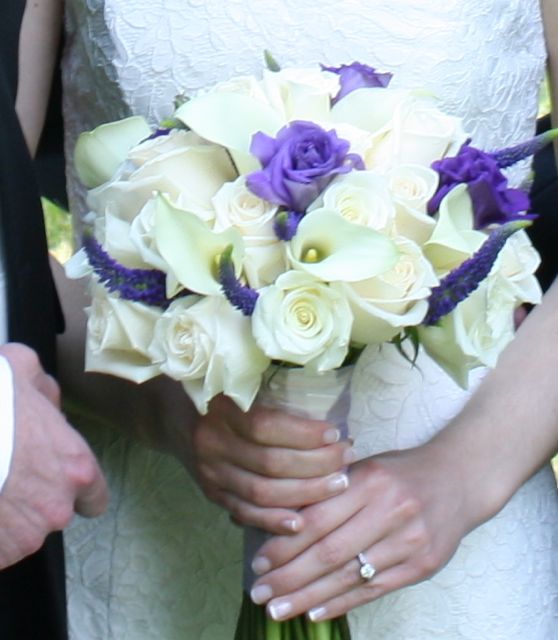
{"x": 338, "y": 482}
{"x": 349, "y": 456}
{"x": 331, "y": 436}
{"x": 317, "y": 613}
{"x": 261, "y": 565}
{"x": 280, "y": 610}
{"x": 292, "y": 524}
{"x": 260, "y": 594}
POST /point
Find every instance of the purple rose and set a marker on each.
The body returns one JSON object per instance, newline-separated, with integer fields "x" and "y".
{"x": 299, "y": 164}
{"x": 357, "y": 76}
{"x": 493, "y": 200}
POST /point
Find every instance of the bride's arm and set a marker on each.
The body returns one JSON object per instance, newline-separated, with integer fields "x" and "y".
{"x": 39, "y": 38}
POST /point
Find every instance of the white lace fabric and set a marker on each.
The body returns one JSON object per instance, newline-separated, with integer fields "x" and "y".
{"x": 165, "y": 564}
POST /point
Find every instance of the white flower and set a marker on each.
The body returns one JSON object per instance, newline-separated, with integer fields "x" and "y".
{"x": 384, "y": 305}
{"x": 98, "y": 153}
{"x": 301, "y": 94}
{"x": 408, "y": 129}
{"x": 301, "y": 320}
{"x": 517, "y": 263}
{"x": 453, "y": 239}
{"x": 331, "y": 248}
{"x": 237, "y": 207}
{"x": 189, "y": 174}
{"x": 475, "y": 332}
{"x": 418, "y": 134}
{"x": 208, "y": 346}
{"x": 118, "y": 336}
{"x": 411, "y": 187}
{"x": 230, "y": 120}
{"x": 191, "y": 249}
{"x": 361, "y": 197}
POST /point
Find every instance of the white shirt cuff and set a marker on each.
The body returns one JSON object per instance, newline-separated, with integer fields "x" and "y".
{"x": 6, "y": 419}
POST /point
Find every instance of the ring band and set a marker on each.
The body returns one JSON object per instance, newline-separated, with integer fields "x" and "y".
{"x": 367, "y": 571}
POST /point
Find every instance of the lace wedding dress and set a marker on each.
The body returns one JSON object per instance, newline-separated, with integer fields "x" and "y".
{"x": 163, "y": 563}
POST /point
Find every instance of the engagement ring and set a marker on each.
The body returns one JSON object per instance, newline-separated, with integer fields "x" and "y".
{"x": 367, "y": 571}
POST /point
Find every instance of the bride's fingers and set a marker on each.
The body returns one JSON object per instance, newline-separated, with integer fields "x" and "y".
{"x": 279, "y": 462}
{"x": 384, "y": 582}
{"x": 270, "y": 492}
{"x": 383, "y": 556}
{"x": 272, "y": 427}
{"x": 276, "y": 521}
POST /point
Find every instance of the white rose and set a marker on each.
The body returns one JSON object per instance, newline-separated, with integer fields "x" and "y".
{"x": 416, "y": 133}
{"x": 411, "y": 187}
{"x": 475, "y": 332}
{"x": 361, "y": 197}
{"x": 301, "y": 94}
{"x": 300, "y": 320}
{"x": 208, "y": 346}
{"x": 189, "y": 175}
{"x": 384, "y": 305}
{"x": 236, "y": 206}
{"x": 118, "y": 336}
{"x": 517, "y": 263}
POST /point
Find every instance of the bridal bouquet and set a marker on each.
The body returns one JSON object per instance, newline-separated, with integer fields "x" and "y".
{"x": 294, "y": 219}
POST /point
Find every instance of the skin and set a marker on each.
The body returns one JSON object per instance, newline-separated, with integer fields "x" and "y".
{"x": 53, "y": 473}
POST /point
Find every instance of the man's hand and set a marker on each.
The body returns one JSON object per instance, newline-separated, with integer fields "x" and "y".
{"x": 53, "y": 472}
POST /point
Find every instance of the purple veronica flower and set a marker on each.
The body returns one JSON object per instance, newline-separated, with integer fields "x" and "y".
{"x": 357, "y": 76}
{"x": 240, "y": 296}
{"x": 462, "y": 281}
{"x": 509, "y": 156}
{"x": 138, "y": 285}
{"x": 286, "y": 223}
{"x": 493, "y": 200}
{"x": 299, "y": 164}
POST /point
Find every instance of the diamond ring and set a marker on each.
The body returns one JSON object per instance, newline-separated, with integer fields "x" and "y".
{"x": 367, "y": 571}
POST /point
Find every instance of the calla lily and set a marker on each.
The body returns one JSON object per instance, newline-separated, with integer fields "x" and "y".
{"x": 230, "y": 119}
{"x": 98, "y": 153}
{"x": 191, "y": 249}
{"x": 369, "y": 108}
{"x": 331, "y": 248}
{"x": 453, "y": 239}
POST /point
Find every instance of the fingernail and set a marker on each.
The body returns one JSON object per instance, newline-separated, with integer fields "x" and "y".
{"x": 317, "y": 613}
{"x": 349, "y": 456}
{"x": 260, "y": 594}
{"x": 338, "y": 482}
{"x": 280, "y": 610}
{"x": 261, "y": 565}
{"x": 331, "y": 436}
{"x": 291, "y": 524}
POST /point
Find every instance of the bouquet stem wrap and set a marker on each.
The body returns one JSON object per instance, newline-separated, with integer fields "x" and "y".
{"x": 323, "y": 396}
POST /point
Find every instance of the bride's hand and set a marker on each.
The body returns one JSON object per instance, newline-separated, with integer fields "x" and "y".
{"x": 264, "y": 465}
{"x": 403, "y": 511}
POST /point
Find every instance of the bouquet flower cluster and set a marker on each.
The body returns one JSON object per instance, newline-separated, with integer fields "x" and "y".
{"x": 297, "y": 218}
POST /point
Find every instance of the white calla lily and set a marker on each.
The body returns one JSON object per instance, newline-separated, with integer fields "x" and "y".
{"x": 230, "y": 119}
{"x": 331, "y": 248}
{"x": 453, "y": 239}
{"x": 98, "y": 153}
{"x": 191, "y": 248}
